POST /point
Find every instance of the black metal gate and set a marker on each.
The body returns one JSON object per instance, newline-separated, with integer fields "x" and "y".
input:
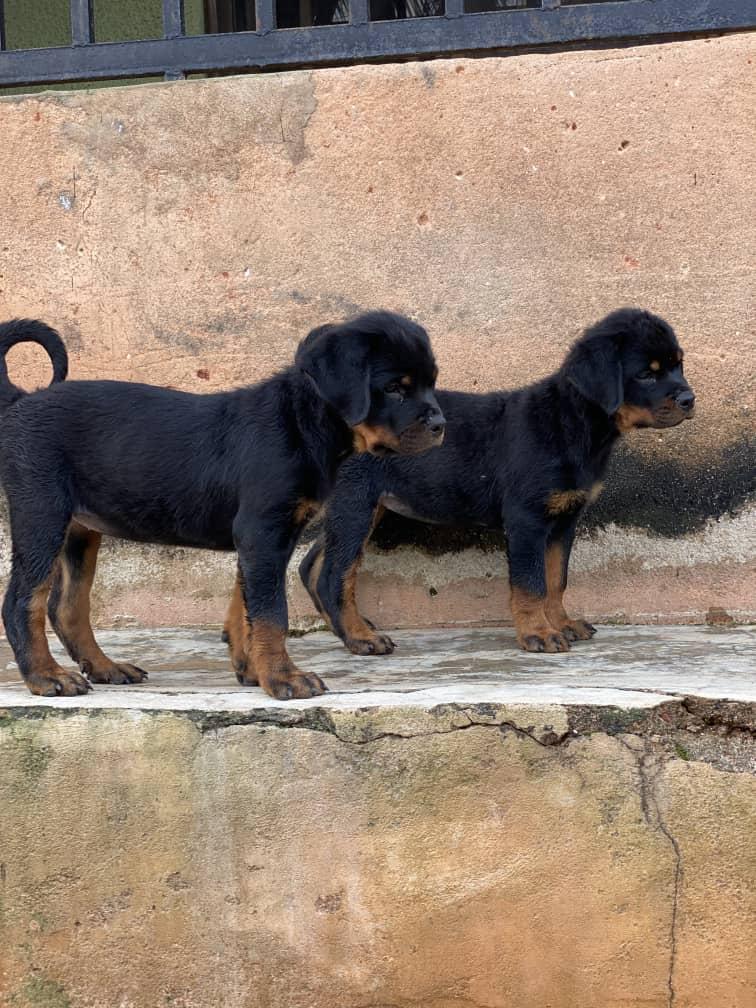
{"x": 359, "y": 30}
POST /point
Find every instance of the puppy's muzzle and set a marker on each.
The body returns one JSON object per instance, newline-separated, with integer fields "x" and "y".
{"x": 674, "y": 410}
{"x": 423, "y": 434}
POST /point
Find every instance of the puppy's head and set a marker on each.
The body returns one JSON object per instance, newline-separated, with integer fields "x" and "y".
{"x": 377, "y": 371}
{"x": 631, "y": 366}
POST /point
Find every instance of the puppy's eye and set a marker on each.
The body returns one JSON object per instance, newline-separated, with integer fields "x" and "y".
{"x": 394, "y": 388}
{"x": 646, "y": 376}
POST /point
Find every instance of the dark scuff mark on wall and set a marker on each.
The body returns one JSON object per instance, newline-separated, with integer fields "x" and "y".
{"x": 670, "y": 498}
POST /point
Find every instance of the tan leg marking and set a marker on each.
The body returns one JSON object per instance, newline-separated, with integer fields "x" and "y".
{"x": 361, "y": 636}
{"x": 275, "y": 671}
{"x": 46, "y": 677}
{"x": 312, "y": 585}
{"x": 239, "y": 636}
{"x": 534, "y": 630}
{"x": 72, "y": 618}
{"x": 553, "y": 606}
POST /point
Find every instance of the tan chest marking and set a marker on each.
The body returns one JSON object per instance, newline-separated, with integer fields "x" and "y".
{"x": 305, "y": 511}
{"x": 564, "y": 501}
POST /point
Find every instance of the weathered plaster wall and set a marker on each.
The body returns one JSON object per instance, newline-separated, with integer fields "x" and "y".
{"x": 189, "y": 234}
{"x": 470, "y": 855}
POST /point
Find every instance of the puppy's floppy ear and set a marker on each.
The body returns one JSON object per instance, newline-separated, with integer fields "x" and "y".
{"x": 337, "y": 362}
{"x": 593, "y": 366}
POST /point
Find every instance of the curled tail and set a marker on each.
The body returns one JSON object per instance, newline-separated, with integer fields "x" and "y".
{"x": 29, "y": 331}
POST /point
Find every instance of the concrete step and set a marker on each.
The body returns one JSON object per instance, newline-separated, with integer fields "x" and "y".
{"x": 458, "y": 824}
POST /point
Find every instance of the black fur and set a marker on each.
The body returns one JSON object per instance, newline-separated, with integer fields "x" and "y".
{"x": 525, "y": 461}
{"x": 225, "y": 471}
{"x": 29, "y": 331}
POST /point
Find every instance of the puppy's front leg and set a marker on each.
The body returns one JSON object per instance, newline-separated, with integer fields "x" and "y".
{"x": 264, "y": 545}
{"x": 527, "y": 580}
{"x": 558, "y": 551}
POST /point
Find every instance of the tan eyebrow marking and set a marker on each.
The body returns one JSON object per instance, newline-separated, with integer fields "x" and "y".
{"x": 405, "y": 380}
{"x": 655, "y": 365}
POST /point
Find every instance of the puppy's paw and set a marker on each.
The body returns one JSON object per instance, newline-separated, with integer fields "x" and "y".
{"x": 376, "y": 644}
{"x": 57, "y": 681}
{"x": 245, "y": 675}
{"x": 287, "y": 682}
{"x": 578, "y": 629}
{"x": 115, "y": 673}
{"x": 548, "y": 641}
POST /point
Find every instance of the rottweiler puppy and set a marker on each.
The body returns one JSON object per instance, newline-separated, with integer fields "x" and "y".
{"x": 239, "y": 470}
{"x": 527, "y": 461}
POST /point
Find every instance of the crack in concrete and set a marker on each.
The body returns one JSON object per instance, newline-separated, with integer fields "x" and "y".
{"x": 319, "y": 720}
{"x": 89, "y": 204}
{"x": 721, "y": 733}
{"x": 729, "y": 716}
{"x": 649, "y": 770}
{"x": 627, "y": 689}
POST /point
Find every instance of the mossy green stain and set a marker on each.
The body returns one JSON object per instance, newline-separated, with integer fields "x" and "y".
{"x": 40, "y": 991}
{"x": 23, "y": 749}
{"x": 40, "y": 920}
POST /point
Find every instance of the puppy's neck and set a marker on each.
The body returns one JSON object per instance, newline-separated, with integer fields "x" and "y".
{"x": 318, "y": 422}
{"x": 595, "y": 430}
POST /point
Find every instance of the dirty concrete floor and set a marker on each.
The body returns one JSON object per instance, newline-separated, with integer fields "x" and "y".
{"x": 623, "y": 666}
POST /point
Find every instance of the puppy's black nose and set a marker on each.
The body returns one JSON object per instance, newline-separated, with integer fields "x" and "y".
{"x": 685, "y": 400}
{"x": 436, "y": 422}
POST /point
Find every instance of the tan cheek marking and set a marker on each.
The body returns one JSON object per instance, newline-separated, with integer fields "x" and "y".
{"x": 628, "y": 417}
{"x": 655, "y": 365}
{"x": 367, "y": 439}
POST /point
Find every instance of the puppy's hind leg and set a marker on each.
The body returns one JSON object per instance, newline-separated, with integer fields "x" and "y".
{"x": 349, "y": 522}
{"x": 38, "y": 533}
{"x": 69, "y": 609}
{"x": 238, "y": 635}
{"x": 309, "y": 572}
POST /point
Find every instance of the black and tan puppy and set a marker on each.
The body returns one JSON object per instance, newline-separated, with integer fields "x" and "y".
{"x": 527, "y": 461}
{"x": 236, "y": 470}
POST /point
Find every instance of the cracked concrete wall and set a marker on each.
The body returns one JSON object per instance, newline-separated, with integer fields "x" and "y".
{"x": 189, "y": 234}
{"x": 462, "y": 856}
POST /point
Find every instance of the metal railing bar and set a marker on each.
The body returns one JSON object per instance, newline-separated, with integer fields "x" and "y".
{"x": 265, "y": 16}
{"x": 173, "y": 19}
{"x": 358, "y": 12}
{"x": 82, "y": 22}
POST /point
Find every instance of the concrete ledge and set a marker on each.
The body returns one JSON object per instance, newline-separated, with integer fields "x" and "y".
{"x": 458, "y": 825}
